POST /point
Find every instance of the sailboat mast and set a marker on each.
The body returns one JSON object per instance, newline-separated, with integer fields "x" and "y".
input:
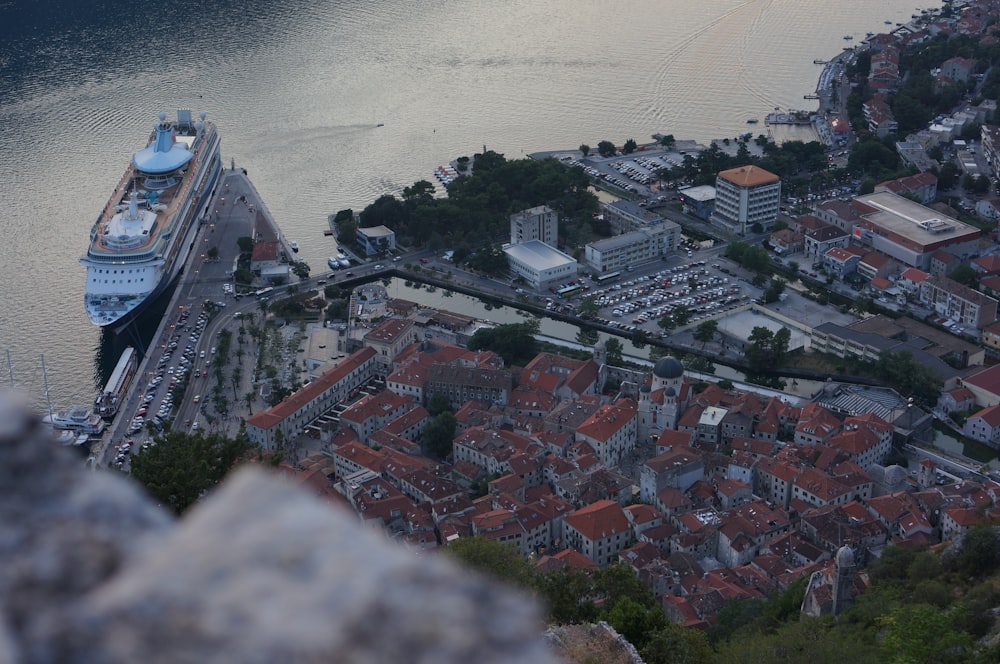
{"x": 45, "y": 380}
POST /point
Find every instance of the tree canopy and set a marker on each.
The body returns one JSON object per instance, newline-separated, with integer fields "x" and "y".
{"x": 478, "y": 206}
{"x": 514, "y": 342}
{"x": 180, "y": 467}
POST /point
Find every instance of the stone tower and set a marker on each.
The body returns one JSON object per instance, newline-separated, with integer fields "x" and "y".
{"x": 843, "y": 579}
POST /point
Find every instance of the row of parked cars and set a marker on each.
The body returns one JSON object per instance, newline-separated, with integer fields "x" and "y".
{"x": 703, "y": 292}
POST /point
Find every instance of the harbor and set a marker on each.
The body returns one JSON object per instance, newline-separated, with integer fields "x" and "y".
{"x": 178, "y": 371}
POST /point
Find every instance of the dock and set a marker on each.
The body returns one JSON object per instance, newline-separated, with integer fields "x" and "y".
{"x": 789, "y": 118}
{"x": 237, "y": 210}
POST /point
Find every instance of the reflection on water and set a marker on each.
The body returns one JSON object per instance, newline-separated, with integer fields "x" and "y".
{"x": 945, "y": 440}
{"x": 299, "y": 89}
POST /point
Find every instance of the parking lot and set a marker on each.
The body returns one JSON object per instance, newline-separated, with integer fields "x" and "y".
{"x": 641, "y": 301}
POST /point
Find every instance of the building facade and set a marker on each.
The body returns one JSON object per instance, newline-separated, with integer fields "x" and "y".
{"x": 538, "y": 223}
{"x": 539, "y": 264}
{"x": 746, "y": 196}
{"x": 633, "y": 248}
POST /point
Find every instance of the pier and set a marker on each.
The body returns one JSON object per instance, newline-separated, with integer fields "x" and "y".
{"x": 236, "y": 211}
{"x": 789, "y": 118}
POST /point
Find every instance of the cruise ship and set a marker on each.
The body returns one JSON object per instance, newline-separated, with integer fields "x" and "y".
{"x": 142, "y": 238}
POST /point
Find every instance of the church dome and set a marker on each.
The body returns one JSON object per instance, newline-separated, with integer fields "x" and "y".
{"x": 669, "y": 392}
{"x": 845, "y": 557}
{"x": 668, "y": 367}
{"x": 645, "y": 388}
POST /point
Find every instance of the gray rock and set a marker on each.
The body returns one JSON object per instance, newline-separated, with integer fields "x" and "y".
{"x": 259, "y": 572}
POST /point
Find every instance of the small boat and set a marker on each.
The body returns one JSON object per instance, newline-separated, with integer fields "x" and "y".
{"x": 343, "y": 260}
{"x": 380, "y": 124}
{"x": 295, "y": 246}
{"x": 848, "y": 36}
{"x": 332, "y": 262}
{"x": 887, "y": 22}
{"x": 753, "y": 121}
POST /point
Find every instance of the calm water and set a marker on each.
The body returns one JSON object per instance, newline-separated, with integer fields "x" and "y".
{"x": 297, "y": 89}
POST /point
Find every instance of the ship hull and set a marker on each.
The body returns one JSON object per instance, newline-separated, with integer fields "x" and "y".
{"x": 171, "y": 235}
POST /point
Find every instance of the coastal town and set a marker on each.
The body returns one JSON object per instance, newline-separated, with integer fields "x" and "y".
{"x": 436, "y": 426}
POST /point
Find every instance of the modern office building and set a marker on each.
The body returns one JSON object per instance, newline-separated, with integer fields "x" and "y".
{"x": 746, "y": 196}
{"x": 910, "y": 232}
{"x": 540, "y": 264}
{"x": 538, "y": 223}
{"x": 633, "y": 248}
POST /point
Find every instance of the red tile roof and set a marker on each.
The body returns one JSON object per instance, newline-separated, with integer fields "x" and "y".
{"x": 599, "y": 520}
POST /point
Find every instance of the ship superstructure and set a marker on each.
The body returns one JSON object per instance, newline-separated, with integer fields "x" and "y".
{"x": 142, "y": 238}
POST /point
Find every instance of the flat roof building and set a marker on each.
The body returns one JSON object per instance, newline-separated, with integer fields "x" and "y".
{"x": 633, "y": 248}
{"x": 376, "y": 240}
{"x": 539, "y": 264}
{"x": 911, "y": 232}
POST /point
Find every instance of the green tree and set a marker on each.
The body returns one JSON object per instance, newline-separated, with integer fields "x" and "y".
{"x": 964, "y": 274}
{"x": 245, "y": 243}
{"x": 636, "y": 622}
{"x": 584, "y": 149}
{"x": 212, "y": 253}
{"x": 439, "y": 434}
{"x": 922, "y": 634}
{"x": 907, "y": 376}
{"x": 613, "y": 347}
{"x": 588, "y": 307}
{"x": 181, "y": 467}
{"x": 586, "y": 336}
{"x": 438, "y": 403}
{"x": 668, "y": 141}
{"x": 300, "y": 269}
{"x": 774, "y": 291}
{"x": 629, "y": 146}
{"x": 514, "y": 342}
{"x": 706, "y": 331}
{"x": 673, "y": 644}
{"x": 492, "y": 558}
{"x": 606, "y": 149}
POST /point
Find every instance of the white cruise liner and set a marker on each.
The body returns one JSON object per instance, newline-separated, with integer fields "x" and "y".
{"x": 142, "y": 238}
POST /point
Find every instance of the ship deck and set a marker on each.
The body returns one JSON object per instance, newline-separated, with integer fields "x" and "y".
{"x": 170, "y": 198}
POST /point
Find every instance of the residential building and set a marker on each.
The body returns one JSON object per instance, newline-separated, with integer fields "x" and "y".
{"x": 464, "y": 383}
{"x": 291, "y": 416}
{"x": 388, "y": 340}
{"x": 984, "y": 426}
{"x": 625, "y": 216}
{"x": 958, "y": 302}
{"x": 599, "y": 531}
{"x": 746, "y": 196}
{"x": 538, "y": 223}
{"x": 678, "y": 468}
{"x": 611, "y": 431}
{"x": 376, "y": 240}
{"x": 633, "y": 248}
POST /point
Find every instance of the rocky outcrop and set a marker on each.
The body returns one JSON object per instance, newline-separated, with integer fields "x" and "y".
{"x": 258, "y": 572}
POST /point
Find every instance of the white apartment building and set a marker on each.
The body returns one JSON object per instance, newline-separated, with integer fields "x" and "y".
{"x": 538, "y": 223}
{"x": 633, "y": 248}
{"x": 746, "y": 196}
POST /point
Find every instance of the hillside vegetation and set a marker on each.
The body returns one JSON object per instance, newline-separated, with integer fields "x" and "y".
{"x": 922, "y": 607}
